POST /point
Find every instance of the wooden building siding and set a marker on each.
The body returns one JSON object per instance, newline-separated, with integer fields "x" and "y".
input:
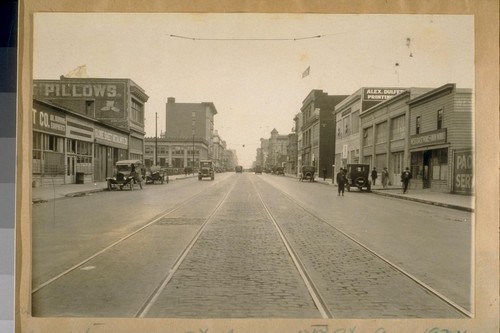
{"x": 381, "y": 148}
{"x": 428, "y": 114}
{"x": 460, "y": 122}
{"x": 397, "y": 145}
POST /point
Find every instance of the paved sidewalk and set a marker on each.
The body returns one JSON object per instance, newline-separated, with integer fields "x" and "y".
{"x": 455, "y": 201}
{"x": 48, "y": 192}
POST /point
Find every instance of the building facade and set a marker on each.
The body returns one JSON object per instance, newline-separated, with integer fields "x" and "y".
{"x": 117, "y": 102}
{"x": 441, "y": 138}
{"x": 318, "y": 141}
{"x": 66, "y": 143}
{"x": 191, "y": 121}
{"x": 277, "y": 150}
{"x": 384, "y": 134}
{"x": 174, "y": 153}
{"x": 347, "y": 123}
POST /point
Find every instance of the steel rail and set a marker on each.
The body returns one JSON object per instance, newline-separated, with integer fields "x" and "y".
{"x": 422, "y": 284}
{"x": 151, "y": 300}
{"x": 309, "y": 283}
{"x": 148, "y": 224}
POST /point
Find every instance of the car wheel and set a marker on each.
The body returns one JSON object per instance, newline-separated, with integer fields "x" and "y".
{"x": 121, "y": 187}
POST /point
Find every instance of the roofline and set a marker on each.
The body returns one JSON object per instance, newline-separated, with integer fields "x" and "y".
{"x": 449, "y": 86}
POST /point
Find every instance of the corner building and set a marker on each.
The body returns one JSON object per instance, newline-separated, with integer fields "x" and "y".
{"x": 116, "y": 102}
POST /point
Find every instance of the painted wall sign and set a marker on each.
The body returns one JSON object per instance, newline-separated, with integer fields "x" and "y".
{"x": 110, "y": 137}
{"x": 103, "y": 100}
{"x": 463, "y": 172}
{"x": 49, "y": 121}
{"x": 429, "y": 138}
{"x": 380, "y": 94}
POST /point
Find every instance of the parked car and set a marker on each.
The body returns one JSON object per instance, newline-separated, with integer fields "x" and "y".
{"x": 238, "y": 168}
{"x": 279, "y": 171}
{"x": 127, "y": 174}
{"x": 258, "y": 170}
{"x": 206, "y": 170}
{"x": 307, "y": 173}
{"x": 358, "y": 175}
{"x": 155, "y": 174}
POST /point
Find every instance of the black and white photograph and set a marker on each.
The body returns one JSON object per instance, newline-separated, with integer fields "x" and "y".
{"x": 271, "y": 166}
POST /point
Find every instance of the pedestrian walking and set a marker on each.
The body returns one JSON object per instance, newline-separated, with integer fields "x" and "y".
{"x": 385, "y": 177}
{"x": 341, "y": 180}
{"x": 405, "y": 179}
{"x": 324, "y": 173}
{"x": 374, "y": 175}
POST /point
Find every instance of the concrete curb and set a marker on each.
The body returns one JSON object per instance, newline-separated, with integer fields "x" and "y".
{"x": 441, "y": 204}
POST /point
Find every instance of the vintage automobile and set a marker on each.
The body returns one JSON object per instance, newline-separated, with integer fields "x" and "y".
{"x": 358, "y": 175}
{"x": 206, "y": 170}
{"x": 238, "y": 168}
{"x": 127, "y": 174}
{"x": 280, "y": 171}
{"x": 155, "y": 174}
{"x": 307, "y": 173}
{"x": 258, "y": 170}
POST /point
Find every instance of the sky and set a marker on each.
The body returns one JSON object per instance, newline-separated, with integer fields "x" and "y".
{"x": 250, "y": 65}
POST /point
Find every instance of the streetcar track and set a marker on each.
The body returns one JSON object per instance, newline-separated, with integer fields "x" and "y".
{"x": 396, "y": 267}
{"x": 148, "y": 224}
{"x": 151, "y": 300}
{"x": 311, "y": 287}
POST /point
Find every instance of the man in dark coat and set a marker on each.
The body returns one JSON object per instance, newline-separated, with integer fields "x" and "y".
{"x": 405, "y": 179}
{"x": 374, "y": 175}
{"x": 341, "y": 180}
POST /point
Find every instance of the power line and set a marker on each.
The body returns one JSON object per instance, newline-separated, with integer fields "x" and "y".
{"x": 246, "y": 39}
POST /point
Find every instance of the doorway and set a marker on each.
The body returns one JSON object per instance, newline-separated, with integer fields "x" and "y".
{"x": 426, "y": 176}
{"x": 70, "y": 169}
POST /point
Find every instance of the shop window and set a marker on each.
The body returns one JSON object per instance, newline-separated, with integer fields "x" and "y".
{"x": 440, "y": 119}
{"x": 417, "y": 165}
{"x": 440, "y": 164}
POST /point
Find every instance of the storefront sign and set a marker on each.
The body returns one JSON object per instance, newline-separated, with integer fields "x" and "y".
{"x": 380, "y": 94}
{"x": 429, "y": 138}
{"x": 75, "y": 90}
{"x": 49, "y": 121}
{"x": 463, "y": 172}
{"x": 110, "y": 138}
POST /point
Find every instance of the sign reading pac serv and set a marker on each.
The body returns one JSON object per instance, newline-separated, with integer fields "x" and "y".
{"x": 463, "y": 172}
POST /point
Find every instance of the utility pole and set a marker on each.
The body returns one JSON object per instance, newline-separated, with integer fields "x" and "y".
{"x": 156, "y": 138}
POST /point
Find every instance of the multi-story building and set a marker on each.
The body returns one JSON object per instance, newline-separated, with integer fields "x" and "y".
{"x": 263, "y": 154}
{"x": 119, "y": 103}
{"x": 277, "y": 150}
{"x": 66, "y": 143}
{"x": 174, "y": 153}
{"x": 297, "y": 120}
{"x": 188, "y": 123}
{"x": 318, "y": 141}
{"x": 383, "y": 135}
{"x": 291, "y": 154}
{"x": 441, "y": 137}
{"x": 347, "y": 132}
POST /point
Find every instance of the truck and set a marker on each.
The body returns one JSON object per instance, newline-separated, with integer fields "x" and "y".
{"x": 206, "y": 170}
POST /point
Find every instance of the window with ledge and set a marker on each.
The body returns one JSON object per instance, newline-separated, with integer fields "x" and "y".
{"x": 440, "y": 119}
{"x": 417, "y": 125}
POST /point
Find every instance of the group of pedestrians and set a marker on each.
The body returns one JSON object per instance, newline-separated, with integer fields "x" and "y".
{"x": 342, "y": 179}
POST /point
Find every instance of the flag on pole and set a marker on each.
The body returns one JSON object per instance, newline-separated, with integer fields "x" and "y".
{"x": 306, "y": 72}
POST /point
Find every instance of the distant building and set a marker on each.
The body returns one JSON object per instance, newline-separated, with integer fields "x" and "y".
{"x": 191, "y": 121}
{"x": 277, "y": 150}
